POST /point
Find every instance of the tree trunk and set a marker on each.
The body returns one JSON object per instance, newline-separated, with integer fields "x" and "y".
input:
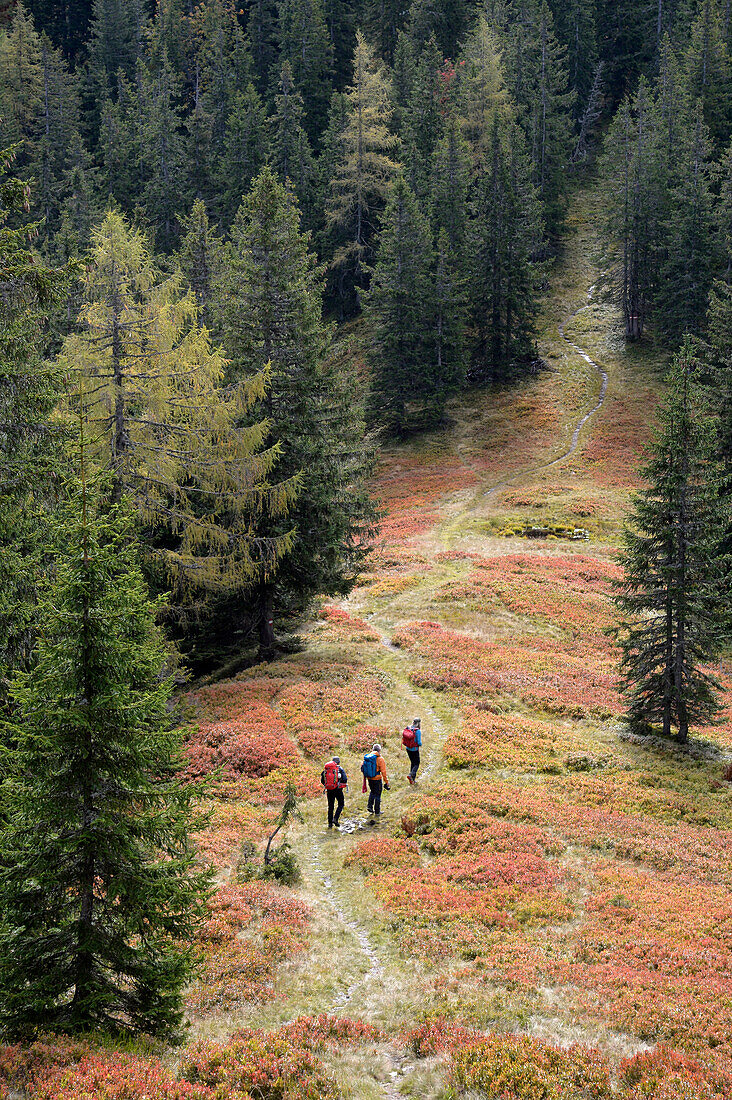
{"x": 266, "y": 623}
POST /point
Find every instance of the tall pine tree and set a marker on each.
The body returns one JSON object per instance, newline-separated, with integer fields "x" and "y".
{"x": 670, "y": 625}
{"x": 100, "y": 894}
{"x": 272, "y": 305}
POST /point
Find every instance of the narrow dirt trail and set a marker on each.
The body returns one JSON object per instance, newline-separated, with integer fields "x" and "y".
{"x": 398, "y": 664}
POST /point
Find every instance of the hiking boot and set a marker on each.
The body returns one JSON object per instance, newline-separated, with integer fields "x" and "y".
{"x": 410, "y": 780}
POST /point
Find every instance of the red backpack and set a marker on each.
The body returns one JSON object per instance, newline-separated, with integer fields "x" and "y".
{"x": 409, "y": 738}
{"x": 332, "y": 776}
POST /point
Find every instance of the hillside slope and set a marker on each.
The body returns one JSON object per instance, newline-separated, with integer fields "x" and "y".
{"x": 546, "y": 875}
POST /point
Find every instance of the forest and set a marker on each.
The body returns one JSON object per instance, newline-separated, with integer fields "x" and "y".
{"x": 361, "y": 359}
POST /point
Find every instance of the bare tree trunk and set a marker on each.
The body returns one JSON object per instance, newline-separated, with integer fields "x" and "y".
{"x": 266, "y": 623}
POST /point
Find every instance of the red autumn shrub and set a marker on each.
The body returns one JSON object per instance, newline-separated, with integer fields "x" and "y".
{"x": 666, "y": 1074}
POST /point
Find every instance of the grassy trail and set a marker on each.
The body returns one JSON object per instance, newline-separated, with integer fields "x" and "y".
{"x": 374, "y": 981}
{"x": 530, "y": 881}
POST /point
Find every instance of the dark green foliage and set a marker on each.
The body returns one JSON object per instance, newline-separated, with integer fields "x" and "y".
{"x": 29, "y": 387}
{"x": 116, "y": 43}
{"x": 291, "y": 157}
{"x": 246, "y": 144}
{"x": 416, "y": 312}
{"x": 66, "y": 22}
{"x": 271, "y": 295}
{"x": 423, "y": 119}
{"x": 262, "y": 32}
{"x": 504, "y": 235}
{"x": 687, "y": 270}
{"x": 304, "y": 43}
{"x": 99, "y": 890}
{"x": 201, "y": 258}
{"x": 450, "y": 178}
{"x": 671, "y": 627}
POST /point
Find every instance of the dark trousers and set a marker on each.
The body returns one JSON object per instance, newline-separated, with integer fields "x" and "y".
{"x": 375, "y": 786}
{"x": 413, "y": 755}
{"x": 335, "y": 798}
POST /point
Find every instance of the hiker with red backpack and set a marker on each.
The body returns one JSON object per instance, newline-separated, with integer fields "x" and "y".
{"x": 335, "y": 782}
{"x": 374, "y": 773}
{"x": 412, "y": 741}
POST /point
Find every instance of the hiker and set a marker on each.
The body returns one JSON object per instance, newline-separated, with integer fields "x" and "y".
{"x": 335, "y": 782}
{"x": 412, "y": 741}
{"x": 374, "y": 773}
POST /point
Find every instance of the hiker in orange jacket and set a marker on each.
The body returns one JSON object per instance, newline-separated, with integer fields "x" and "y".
{"x": 374, "y": 773}
{"x": 335, "y": 782}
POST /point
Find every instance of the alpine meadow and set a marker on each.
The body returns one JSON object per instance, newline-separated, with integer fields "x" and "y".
{"x": 365, "y": 550}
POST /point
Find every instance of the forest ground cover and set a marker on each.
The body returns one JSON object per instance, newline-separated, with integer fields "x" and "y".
{"x": 549, "y": 913}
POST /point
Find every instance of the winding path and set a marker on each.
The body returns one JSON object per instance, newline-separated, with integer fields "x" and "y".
{"x": 335, "y": 898}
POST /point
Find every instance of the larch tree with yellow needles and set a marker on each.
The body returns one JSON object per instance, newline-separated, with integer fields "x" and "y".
{"x": 177, "y": 441}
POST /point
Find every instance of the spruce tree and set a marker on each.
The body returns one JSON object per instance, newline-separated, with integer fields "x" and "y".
{"x": 29, "y": 445}
{"x": 401, "y": 309}
{"x": 364, "y": 173}
{"x": 262, "y": 34}
{"x": 291, "y": 156}
{"x": 691, "y": 247}
{"x": 21, "y": 86}
{"x": 163, "y": 194}
{"x": 60, "y": 145}
{"x": 670, "y": 624}
{"x": 505, "y": 232}
{"x": 201, "y": 258}
{"x": 223, "y": 65}
{"x": 423, "y": 119}
{"x": 246, "y": 148}
{"x": 637, "y": 190}
{"x": 708, "y": 72}
{"x": 100, "y": 894}
{"x": 272, "y": 303}
{"x": 450, "y": 180}
{"x": 304, "y": 43}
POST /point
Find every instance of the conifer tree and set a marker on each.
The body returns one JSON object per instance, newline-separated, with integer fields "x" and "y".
{"x": 262, "y": 34}
{"x": 577, "y": 27}
{"x": 291, "y": 156}
{"x": 708, "y": 71}
{"x": 483, "y": 92}
{"x": 29, "y": 388}
{"x": 365, "y": 171}
{"x": 691, "y": 247}
{"x": 549, "y": 115}
{"x": 635, "y": 223}
{"x": 246, "y": 148}
{"x": 383, "y": 20}
{"x": 116, "y": 42}
{"x": 164, "y": 428}
{"x": 100, "y": 894}
{"x": 450, "y": 180}
{"x": 272, "y": 303}
{"x": 59, "y": 146}
{"x": 341, "y": 20}
{"x": 423, "y": 119}
{"x": 304, "y": 43}
{"x": 201, "y": 258}
{"x": 671, "y": 626}
{"x": 505, "y": 231}
{"x": 401, "y": 307}
{"x": 21, "y": 85}
{"x": 161, "y": 143}
{"x": 223, "y": 65}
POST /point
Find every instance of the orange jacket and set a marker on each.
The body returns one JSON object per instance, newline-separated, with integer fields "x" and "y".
{"x": 381, "y": 768}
